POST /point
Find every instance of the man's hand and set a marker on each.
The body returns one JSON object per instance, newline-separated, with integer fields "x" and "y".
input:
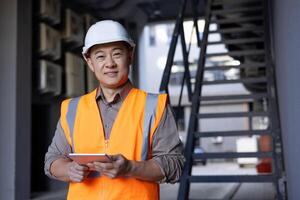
{"x": 77, "y": 173}
{"x": 119, "y": 166}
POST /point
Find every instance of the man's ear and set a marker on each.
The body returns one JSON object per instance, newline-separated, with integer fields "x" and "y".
{"x": 131, "y": 56}
{"x": 89, "y": 62}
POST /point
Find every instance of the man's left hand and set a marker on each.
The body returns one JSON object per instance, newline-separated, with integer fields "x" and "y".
{"x": 119, "y": 166}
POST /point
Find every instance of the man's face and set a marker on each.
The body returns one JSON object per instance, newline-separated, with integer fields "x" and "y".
{"x": 110, "y": 63}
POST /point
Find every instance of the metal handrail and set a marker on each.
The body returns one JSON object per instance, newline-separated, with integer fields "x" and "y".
{"x": 193, "y": 122}
{"x": 178, "y": 30}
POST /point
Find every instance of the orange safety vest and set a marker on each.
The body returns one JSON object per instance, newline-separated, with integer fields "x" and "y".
{"x": 131, "y": 136}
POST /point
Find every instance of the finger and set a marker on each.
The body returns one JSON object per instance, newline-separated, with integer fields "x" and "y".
{"x": 78, "y": 166}
{"x": 80, "y": 173}
{"x": 76, "y": 177}
{"x": 109, "y": 174}
{"x": 76, "y": 171}
{"x": 72, "y": 169}
{"x": 77, "y": 180}
{"x": 81, "y": 167}
{"x": 120, "y": 160}
{"x": 90, "y": 165}
{"x": 106, "y": 166}
{"x": 96, "y": 168}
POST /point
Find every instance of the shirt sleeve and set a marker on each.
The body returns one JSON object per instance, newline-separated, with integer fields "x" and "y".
{"x": 59, "y": 148}
{"x": 167, "y": 148}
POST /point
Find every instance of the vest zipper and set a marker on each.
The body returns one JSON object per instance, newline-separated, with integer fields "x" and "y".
{"x": 105, "y": 146}
{"x": 103, "y": 186}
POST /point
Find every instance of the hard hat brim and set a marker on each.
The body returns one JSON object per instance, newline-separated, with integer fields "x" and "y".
{"x": 85, "y": 49}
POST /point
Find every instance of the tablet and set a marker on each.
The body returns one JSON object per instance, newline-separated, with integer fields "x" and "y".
{"x": 84, "y": 158}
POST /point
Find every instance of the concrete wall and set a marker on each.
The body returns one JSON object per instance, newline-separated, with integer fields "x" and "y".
{"x": 15, "y": 90}
{"x": 286, "y": 31}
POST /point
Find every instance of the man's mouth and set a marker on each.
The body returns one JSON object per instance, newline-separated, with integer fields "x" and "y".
{"x": 111, "y": 74}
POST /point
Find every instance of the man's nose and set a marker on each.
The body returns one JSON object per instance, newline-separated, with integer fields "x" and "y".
{"x": 110, "y": 62}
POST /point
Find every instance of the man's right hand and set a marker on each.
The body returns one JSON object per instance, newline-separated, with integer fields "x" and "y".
{"x": 77, "y": 173}
{"x": 68, "y": 170}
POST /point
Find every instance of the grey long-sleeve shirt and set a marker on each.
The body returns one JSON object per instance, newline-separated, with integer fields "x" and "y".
{"x": 166, "y": 145}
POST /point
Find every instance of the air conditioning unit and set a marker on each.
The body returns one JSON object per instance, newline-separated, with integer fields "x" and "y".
{"x": 50, "y": 11}
{"x": 74, "y": 28}
{"x": 49, "y": 77}
{"x": 74, "y": 68}
{"x": 50, "y": 44}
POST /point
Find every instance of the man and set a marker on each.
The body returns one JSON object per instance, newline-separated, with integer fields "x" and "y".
{"x": 136, "y": 129}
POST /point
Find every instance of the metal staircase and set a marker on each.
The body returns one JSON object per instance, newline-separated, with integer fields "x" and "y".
{"x": 244, "y": 29}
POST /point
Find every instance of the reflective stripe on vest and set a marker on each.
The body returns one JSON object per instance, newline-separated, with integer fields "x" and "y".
{"x": 71, "y": 114}
{"x": 149, "y": 118}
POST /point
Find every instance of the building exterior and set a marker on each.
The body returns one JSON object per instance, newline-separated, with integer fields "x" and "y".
{"x": 16, "y": 88}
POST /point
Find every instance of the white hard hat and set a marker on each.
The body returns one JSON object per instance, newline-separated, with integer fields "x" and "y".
{"x": 104, "y": 32}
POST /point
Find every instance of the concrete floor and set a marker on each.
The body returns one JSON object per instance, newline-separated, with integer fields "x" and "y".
{"x": 206, "y": 191}
{"x": 214, "y": 191}
{"x": 232, "y": 191}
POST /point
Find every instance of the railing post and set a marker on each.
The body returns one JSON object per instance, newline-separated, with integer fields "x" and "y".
{"x": 177, "y": 30}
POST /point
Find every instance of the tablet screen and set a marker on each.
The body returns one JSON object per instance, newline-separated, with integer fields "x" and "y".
{"x": 84, "y": 158}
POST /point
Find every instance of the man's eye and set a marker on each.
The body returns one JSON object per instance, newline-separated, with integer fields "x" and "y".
{"x": 117, "y": 54}
{"x": 100, "y": 57}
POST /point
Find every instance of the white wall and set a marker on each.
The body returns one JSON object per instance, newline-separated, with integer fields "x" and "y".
{"x": 8, "y": 99}
{"x": 286, "y": 15}
{"x": 285, "y": 19}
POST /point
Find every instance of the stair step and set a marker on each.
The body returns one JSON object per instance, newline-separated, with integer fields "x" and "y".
{"x": 237, "y": 20}
{"x": 226, "y": 67}
{"x": 240, "y": 29}
{"x": 244, "y": 80}
{"x": 238, "y": 53}
{"x": 234, "y": 97}
{"x": 232, "y": 178}
{"x": 219, "y": 3}
{"x": 237, "y": 41}
{"x": 232, "y": 114}
{"x": 232, "y": 133}
{"x": 221, "y": 155}
{"x": 236, "y": 10}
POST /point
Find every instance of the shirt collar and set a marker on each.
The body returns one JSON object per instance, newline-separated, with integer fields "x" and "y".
{"x": 120, "y": 95}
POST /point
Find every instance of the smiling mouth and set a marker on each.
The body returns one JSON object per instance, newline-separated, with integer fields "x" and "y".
{"x": 111, "y": 73}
